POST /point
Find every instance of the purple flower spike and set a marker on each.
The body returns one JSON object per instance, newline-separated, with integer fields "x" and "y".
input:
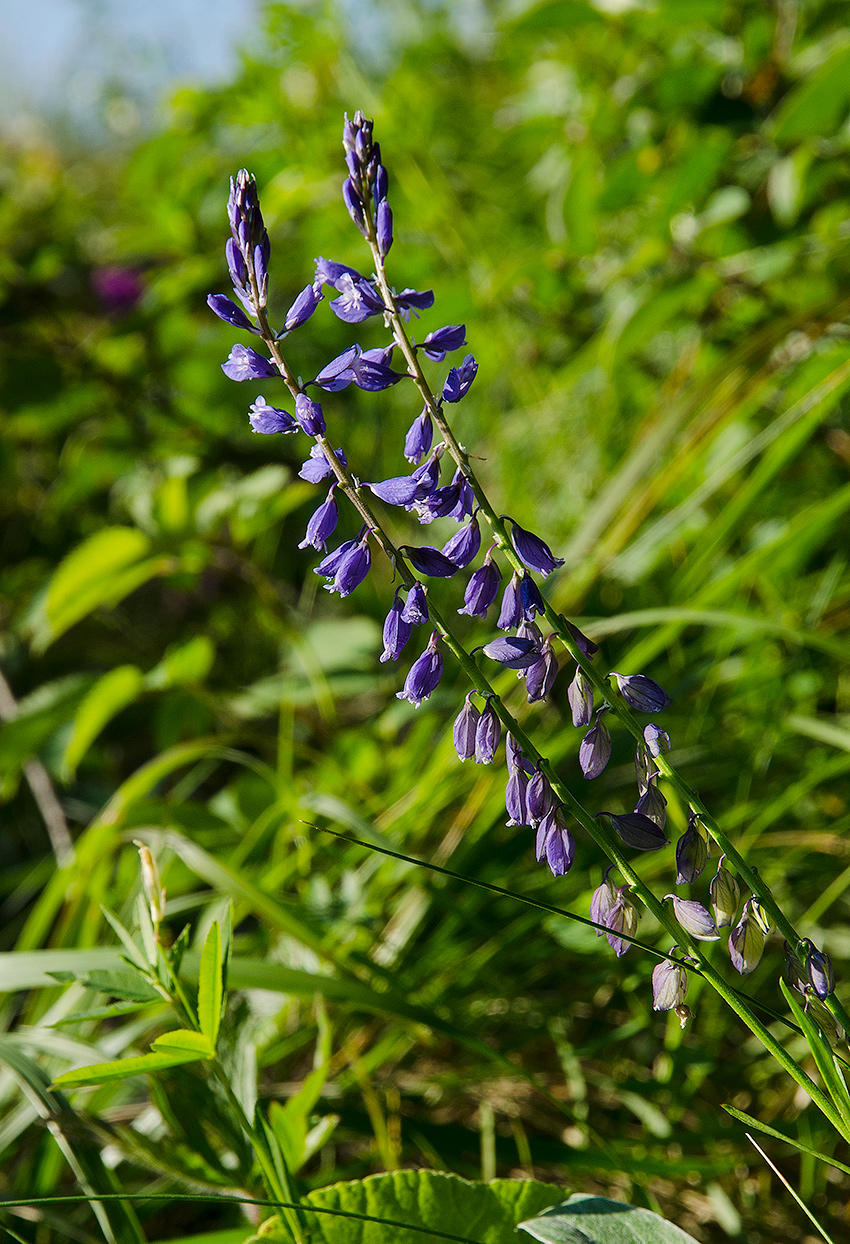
{"x": 303, "y": 307}
{"x": 414, "y": 300}
{"x": 513, "y": 652}
{"x": 487, "y": 736}
{"x": 352, "y": 568}
{"x": 227, "y": 310}
{"x": 482, "y": 588}
{"x": 384, "y": 228}
{"x": 511, "y": 611}
{"x": 641, "y": 693}
{"x": 309, "y": 415}
{"x": 694, "y": 918}
{"x": 539, "y": 799}
{"x": 636, "y": 830}
{"x": 595, "y": 749}
{"x": 746, "y": 942}
{"x": 580, "y": 696}
{"x": 358, "y": 300}
{"x": 463, "y": 546}
{"x": 555, "y": 841}
{"x": 429, "y": 561}
{"x": 540, "y": 677}
{"x": 532, "y": 551}
{"x": 415, "y": 608}
{"x": 243, "y": 363}
{"x": 338, "y": 373}
{"x": 322, "y": 524}
{"x": 515, "y": 793}
{"x": 459, "y": 380}
{"x": 419, "y": 437}
{"x": 400, "y": 490}
{"x": 269, "y": 419}
{"x": 669, "y": 985}
{"x": 317, "y": 467}
{"x": 396, "y": 630}
{"x": 424, "y": 674}
{"x": 437, "y": 344}
{"x": 464, "y": 729}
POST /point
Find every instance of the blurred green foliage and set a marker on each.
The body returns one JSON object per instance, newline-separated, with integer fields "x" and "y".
{"x": 643, "y": 218}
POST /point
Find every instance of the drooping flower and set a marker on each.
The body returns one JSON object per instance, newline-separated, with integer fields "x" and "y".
{"x": 416, "y": 606}
{"x": 437, "y": 344}
{"x": 424, "y": 674}
{"x": 317, "y": 467}
{"x": 482, "y": 588}
{"x": 657, "y": 740}
{"x": 352, "y": 568}
{"x": 459, "y": 380}
{"x": 429, "y": 561}
{"x": 636, "y": 830}
{"x": 396, "y": 632}
{"x": 487, "y": 735}
{"x": 580, "y": 696}
{"x": 373, "y": 375}
{"x": 533, "y": 552}
{"x": 322, "y": 523}
{"x": 303, "y": 307}
{"x": 595, "y": 749}
{"x": 694, "y": 918}
{"x": 691, "y": 852}
{"x": 555, "y": 841}
{"x": 400, "y": 490}
{"x": 725, "y": 895}
{"x": 419, "y": 437}
{"x": 540, "y": 677}
{"x": 511, "y": 610}
{"x": 603, "y": 900}
{"x": 243, "y": 363}
{"x": 413, "y": 300}
{"x": 309, "y": 415}
{"x": 587, "y": 646}
{"x": 464, "y": 729}
{"x": 515, "y": 798}
{"x": 338, "y": 373}
{"x": 270, "y": 419}
{"x": 512, "y": 651}
{"x": 669, "y": 984}
{"x": 746, "y": 942}
{"x": 530, "y": 601}
{"x": 621, "y": 919}
{"x": 653, "y": 804}
{"x": 641, "y": 693}
{"x": 227, "y": 310}
{"x": 463, "y": 546}
{"x": 539, "y": 798}
{"x": 820, "y": 971}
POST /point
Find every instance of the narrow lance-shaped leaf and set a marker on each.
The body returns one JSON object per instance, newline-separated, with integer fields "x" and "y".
{"x": 210, "y": 985}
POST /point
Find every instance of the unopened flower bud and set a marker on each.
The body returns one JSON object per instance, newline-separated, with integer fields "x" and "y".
{"x": 154, "y": 892}
{"x": 669, "y": 985}
{"x": 691, "y": 854}
{"x": 820, "y": 972}
{"x": 725, "y": 895}
{"x": 746, "y": 942}
{"x": 694, "y": 918}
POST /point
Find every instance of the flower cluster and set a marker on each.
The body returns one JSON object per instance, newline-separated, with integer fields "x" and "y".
{"x": 427, "y": 493}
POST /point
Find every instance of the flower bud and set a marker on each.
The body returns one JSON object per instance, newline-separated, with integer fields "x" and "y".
{"x": 669, "y": 985}
{"x": 725, "y": 895}
{"x": 820, "y": 972}
{"x": 691, "y": 854}
{"x": 154, "y": 892}
{"x": 463, "y": 731}
{"x": 746, "y": 942}
{"x": 694, "y": 918}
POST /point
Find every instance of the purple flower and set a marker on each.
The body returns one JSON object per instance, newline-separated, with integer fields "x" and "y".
{"x": 309, "y": 415}
{"x": 746, "y": 942}
{"x": 329, "y": 565}
{"x": 384, "y": 228}
{"x": 587, "y": 646}
{"x": 580, "y": 696}
{"x": 381, "y": 184}
{"x": 487, "y": 735}
{"x": 532, "y": 551}
{"x": 441, "y": 503}
{"x": 615, "y": 910}
{"x": 510, "y": 612}
{"x": 820, "y": 971}
{"x": 459, "y": 380}
{"x": 464, "y": 729}
{"x": 555, "y": 841}
{"x": 657, "y": 740}
{"x": 513, "y": 652}
{"x": 352, "y": 567}
{"x": 437, "y": 344}
{"x": 354, "y": 204}
{"x": 725, "y": 895}
{"x": 429, "y": 561}
{"x": 322, "y": 523}
{"x": 227, "y": 310}
{"x": 243, "y": 363}
{"x": 530, "y": 601}
{"x": 400, "y": 490}
{"x": 373, "y": 376}
{"x": 602, "y": 901}
{"x": 482, "y": 588}
{"x": 463, "y": 546}
{"x": 357, "y": 301}
{"x": 540, "y": 677}
{"x": 517, "y": 762}
{"x": 694, "y": 918}
{"x": 416, "y": 606}
{"x": 419, "y": 437}
{"x": 595, "y": 749}
{"x": 466, "y": 497}
{"x": 317, "y": 467}
{"x": 691, "y": 852}
{"x": 641, "y": 692}
{"x": 328, "y": 272}
{"x": 338, "y": 373}
{"x": 636, "y": 830}
{"x": 428, "y": 474}
{"x": 303, "y": 307}
{"x": 669, "y": 985}
{"x": 538, "y": 797}
{"x": 515, "y": 794}
{"x": 268, "y": 419}
{"x": 396, "y": 630}
{"x": 424, "y": 674}
{"x": 653, "y": 804}
{"x": 413, "y": 300}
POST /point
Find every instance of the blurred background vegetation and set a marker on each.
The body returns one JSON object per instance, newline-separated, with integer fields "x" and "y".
{"x": 642, "y": 215}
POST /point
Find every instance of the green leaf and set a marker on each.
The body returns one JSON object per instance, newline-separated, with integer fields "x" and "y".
{"x": 431, "y": 1202}
{"x": 127, "y": 984}
{"x": 186, "y": 1041}
{"x": 587, "y": 1219}
{"x": 796, "y": 1144}
{"x": 166, "y": 1056}
{"x": 210, "y": 985}
{"x": 107, "y": 697}
{"x": 184, "y": 664}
